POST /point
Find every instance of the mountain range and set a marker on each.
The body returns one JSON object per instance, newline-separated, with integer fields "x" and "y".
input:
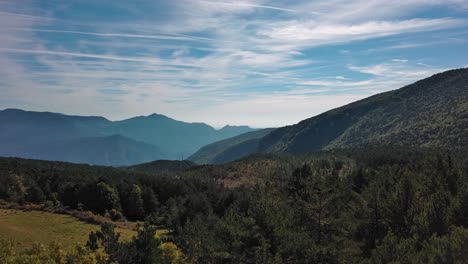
{"x": 429, "y": 113}
{"x": 97, "y": 140}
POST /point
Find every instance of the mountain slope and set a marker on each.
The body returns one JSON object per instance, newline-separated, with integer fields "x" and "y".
{"x": 431, "y": 113}
{"x": 40, "y": 134}
{"x": 162, "y": 166}
{"x": 108, "y": 151}
{"x": 229, "y": 149}
{"x": 19, "y": 127}
{"x": 177, "y": 139}
{"x": 45, "y": 135}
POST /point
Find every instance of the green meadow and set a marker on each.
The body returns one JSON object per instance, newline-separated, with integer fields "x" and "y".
{"x": 26, "y": 228}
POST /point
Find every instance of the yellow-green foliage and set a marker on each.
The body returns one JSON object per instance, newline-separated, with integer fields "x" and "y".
{"x": 27, "y": 228}
{"x": 55, "y": 254}
{"x": 82, "y": 255}
{"x": 52, "y": 254}
{"x": 172, "y": 254}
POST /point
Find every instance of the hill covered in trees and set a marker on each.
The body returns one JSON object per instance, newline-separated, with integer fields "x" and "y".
{"x": 96, "y": 140}
{"x": 162, "y": 166}
{"x": 429, "y": 113}
{"x": 432, "y": 113}
{"x": 361, "y": 205}
{"x": 229, "y": 149}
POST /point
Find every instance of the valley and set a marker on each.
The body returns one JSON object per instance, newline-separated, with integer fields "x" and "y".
{"x": 233, "y": 132}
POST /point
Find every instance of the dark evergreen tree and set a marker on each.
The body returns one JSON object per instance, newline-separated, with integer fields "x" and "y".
{"x": 135, "y": 207}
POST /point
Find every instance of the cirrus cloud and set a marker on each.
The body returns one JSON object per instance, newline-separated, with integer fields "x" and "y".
{"x": 256, "y": 62}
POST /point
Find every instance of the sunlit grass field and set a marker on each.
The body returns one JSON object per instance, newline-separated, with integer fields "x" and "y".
{"x": 25, "y": 228}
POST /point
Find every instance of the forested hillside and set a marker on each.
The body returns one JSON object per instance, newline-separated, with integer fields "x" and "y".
{"x": 369, "y": 205}
{"x": 432, "y": 112}
{"x": 230, "y": 149}
{"x": 429, "y": 113}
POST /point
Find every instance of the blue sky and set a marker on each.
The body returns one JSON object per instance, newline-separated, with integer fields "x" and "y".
{"x": 248, "y": 62}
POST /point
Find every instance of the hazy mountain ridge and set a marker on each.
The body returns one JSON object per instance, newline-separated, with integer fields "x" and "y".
{"x": 176, "y": 138}
{"x": 429, "y": 113}
{"x": 229, "y": 149}
{"x": 54, "y": 136}
{"x": 112, "y": 150}
{"x": 161, "y": 166}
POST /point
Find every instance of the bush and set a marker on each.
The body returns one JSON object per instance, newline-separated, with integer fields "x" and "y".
{"x": 116, "y": 215}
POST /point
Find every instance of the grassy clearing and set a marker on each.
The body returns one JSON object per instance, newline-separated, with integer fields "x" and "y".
{"x": 28, "y": 227}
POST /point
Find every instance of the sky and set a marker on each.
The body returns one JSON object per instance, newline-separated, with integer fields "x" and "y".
{"x": 248, "y": 62}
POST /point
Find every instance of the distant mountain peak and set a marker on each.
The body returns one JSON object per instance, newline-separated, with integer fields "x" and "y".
{"x": 12, "y": 110}
{"x": 156, "y": 115}
{"x": 229, "y": 126}
{"x": 31, "y": 134}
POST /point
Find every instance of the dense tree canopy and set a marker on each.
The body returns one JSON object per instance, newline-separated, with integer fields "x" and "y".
{"x": 368, "y": 205}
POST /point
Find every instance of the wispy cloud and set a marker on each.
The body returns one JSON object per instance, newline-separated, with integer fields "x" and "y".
{"x": 257, "y": 62}
{"x": 384, "y": 76}
{"x": 242, "y": 5}
{"x": 332, "y": 33}
{"x": 81, "y": 55}
{"x": 178, "y": 37}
